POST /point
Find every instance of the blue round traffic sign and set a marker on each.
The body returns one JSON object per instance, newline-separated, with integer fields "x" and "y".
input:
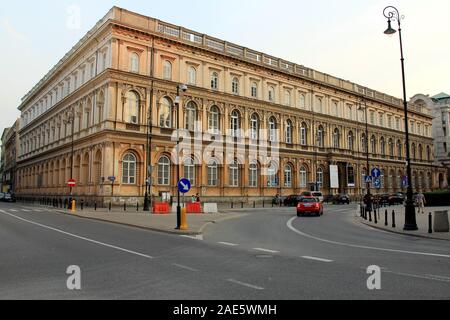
{"x": 377, "y": 183}
{"x": 184, "y": 185}
{"x": 376, "y": 173}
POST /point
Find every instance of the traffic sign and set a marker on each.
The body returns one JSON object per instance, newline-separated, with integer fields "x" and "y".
{"x": 368, "y": 179}
{"x": 377, "y": 183}
{"x": 405, "y": 181}
{"x": 184, "y": 185}
{"x": 112, "y": 179}
{"x": 72, "y": 183}
{"x": 376, "y": 173}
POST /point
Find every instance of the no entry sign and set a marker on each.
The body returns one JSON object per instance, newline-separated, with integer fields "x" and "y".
{"x": 72, "y": 183}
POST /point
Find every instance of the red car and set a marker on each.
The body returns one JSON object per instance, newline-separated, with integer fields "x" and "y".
{"x": 309, "y": 205}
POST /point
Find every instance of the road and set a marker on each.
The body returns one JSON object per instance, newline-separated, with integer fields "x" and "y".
{"x": 267, "y": 254}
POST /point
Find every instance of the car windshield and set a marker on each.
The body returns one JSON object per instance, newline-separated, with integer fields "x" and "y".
{"x": 308, "y": 200}
{"x": 317, "y": 194}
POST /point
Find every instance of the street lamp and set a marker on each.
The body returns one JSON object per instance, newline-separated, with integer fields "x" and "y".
{"x": 71, "y": 120}
{"x": 368, "y": 195}
{"x": 392, "y": 14}
{"x": 184, "y": 88}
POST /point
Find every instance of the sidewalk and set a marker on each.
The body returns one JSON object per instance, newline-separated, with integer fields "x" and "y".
{"x": 422, "y": 222}
{"x": 156, "y": 222}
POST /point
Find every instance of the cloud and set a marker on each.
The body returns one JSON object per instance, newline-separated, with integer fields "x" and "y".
{"x": 12, "y": 32}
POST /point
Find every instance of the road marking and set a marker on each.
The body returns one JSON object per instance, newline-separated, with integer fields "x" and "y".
{"x": 426, "y": 277}
{"x": 228, "y": 244}
{"x": 438, "y": 277}
{"x": 36, "y": 210}
{"x": 245, "y": 284}
{"x": 79, "y": 237}
{"x": 185, "y": 267}
{"x": 25, "y": 210}
{"x": 266, "y": 250}
{"x": 198, "y": 237}
{"x": 316, "y": 259}
{"x": 291, "y": 227}
{"x": 13, "y": 210}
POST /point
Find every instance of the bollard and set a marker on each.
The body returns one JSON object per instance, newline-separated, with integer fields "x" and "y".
{"x": 264, "y": 204}
{"x": 232, "y": 205}
{"x": 370, "y": 215}
{"x": 430, "y": 223}
{"x": 137, "y": 207}
{"x": 95, "y": 205}
{"x": 125, "y": 206}
{"x": 183, "y": 224}
{"x": 393, "y": 219}
{"x": 82, "y": 205}
{"x": 254, "y": 204}
{"x": 73, "y": 207}
{"x": 375, "y": 216}
{"x": 109, "y": 206}
{"x": 242, "y": 205}
{"x": 386, "y": 218}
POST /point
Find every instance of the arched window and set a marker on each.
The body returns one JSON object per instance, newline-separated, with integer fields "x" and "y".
{"x": 165, "y": 113}
{"x": 272, "y": 129}
{"x": 254, "y": 90}
{"x": 364, "y": 143}
{"x": 129, "y": 169}
{"x": 335, "y": 111}
{"x": 253, "y": 175}
{"x": 132, "y": 107}
{"x": 303, "y": 177}
{"x": 383, "y": 146}
{"x": 164, "y": 171}
{"x": 420, "y": 152}
{"x": 192, "y": 76}
{"x": 319, "y": 177}
{"x": 350, "y": 141}
{"x": 288, "y": 132}
{"x": 134, "y": 62}
{"x": 212, "y": 173}
{"x": 254, "y": 127}
{"x": 391, "y": 148}
{"x": 288, "y": 176}
{"x": 215, "y": 81}
{"x": 319, "y": 105}
{"x": 189, "y": 170}
{"x": 304, "y": 134}
{"x": 213, "y": 121}
{"x": 373, "y": 143}
{"x": 271, "y": 94}
{"x": 302, "y": 101}
{"x": 320, "y": 137}
{"x": 336, "y": 138}
{"x": 272, "y": 175}
{"x": 414, "y": 151}
{"x": 287, "y": 97}
{"x": 399, "y": 149}
{"x": 167, "y": 70}
{"x": 235, "y": 86}
{"x": 190, "y": 116}
{"x": 235, "y": 123}
{"x": 234, "y": 174}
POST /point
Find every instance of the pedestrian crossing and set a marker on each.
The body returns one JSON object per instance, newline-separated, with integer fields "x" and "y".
{"x": 23, "y": 209}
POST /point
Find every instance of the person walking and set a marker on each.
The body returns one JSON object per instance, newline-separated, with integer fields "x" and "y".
{"x": 420, "y": 201}
{"x": 197, "y": 198}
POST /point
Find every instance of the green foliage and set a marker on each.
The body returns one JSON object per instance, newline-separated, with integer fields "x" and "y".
{"x": 438, "y": 198}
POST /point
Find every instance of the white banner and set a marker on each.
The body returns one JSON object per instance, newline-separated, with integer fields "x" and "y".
{"x": 334, "y": 177}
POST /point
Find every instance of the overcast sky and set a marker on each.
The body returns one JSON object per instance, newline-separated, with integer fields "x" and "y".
{"x": 343, "y": 38}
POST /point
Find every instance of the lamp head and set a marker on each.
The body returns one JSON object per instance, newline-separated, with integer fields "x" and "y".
{"x": 389, "y": 31}
{"x": 183, "y": 87}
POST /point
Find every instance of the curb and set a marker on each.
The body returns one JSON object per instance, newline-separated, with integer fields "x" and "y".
{"x": 174, "y": 232}
{"x": 402, "y": 233}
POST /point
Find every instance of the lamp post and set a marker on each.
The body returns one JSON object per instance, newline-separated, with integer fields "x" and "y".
{"x": 392, "y": 14}
{"x": 184, "y": 88}
{"x": 368, "y": 195}
{"x": 71, "y": 120}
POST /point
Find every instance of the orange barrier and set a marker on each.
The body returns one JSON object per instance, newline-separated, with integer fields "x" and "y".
{"x": 194, "y": 207}
{"x": 161, "y": 208}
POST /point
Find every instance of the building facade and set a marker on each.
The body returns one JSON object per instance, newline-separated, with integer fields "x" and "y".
{"x": 439, "y": 106}
{"x": 253, "y": 125}
{"x": 11, "y": 145}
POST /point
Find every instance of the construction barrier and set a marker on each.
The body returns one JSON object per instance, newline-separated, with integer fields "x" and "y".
{"x": 161, "y": 208}
{"x": 210, "y": 208}
{"x": 194, "y": 207}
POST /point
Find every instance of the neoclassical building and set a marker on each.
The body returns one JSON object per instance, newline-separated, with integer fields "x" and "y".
{"x": 106, "y": 116}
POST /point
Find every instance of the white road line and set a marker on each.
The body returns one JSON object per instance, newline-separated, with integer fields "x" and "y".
{"x": 438, "y": 277}
{"x": 289, "y": 225}
{"x": 316, "y": 259}
{"x": 266, "y": 250}
{"x": 228, "y": 244}
{"x": 35, "y": 210}
{"x": 185, "y": 267}
{"x": 198, "y": 237}
{"x": 426, "y": 277}
{"x": 25, "y": 210}
{"x": 245, "y": 284}
{"x": 13, "y": 210}
{"x": 79, "y": 237}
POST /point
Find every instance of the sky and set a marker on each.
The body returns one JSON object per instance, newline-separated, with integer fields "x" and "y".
{"x": 343, "y": 38}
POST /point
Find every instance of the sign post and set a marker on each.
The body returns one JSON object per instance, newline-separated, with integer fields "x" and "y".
{"x": 184, "y": 186}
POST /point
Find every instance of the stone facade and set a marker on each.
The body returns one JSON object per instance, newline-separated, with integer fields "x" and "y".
{"x": 116, "y": 90}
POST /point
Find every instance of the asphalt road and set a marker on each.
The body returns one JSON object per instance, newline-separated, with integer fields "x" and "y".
{"x": 269, "y": 254}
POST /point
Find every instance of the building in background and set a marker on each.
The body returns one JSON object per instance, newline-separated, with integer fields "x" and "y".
{"x": 90, "y": 117}
{"x": 439, "y": 106}
{"x": 11, "y": 145}
{"x": 3, "y": 186}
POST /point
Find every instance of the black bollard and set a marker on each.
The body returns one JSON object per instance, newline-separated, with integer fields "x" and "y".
{"x": 125, "y": 206}
{"x": 137, "y": 207}
{"x": 110, "y": 206}
{"x": 95, "y": 205}
{"x": 82, "y": 205}
{"x": 232, "y": 205}
{"x": 430, "y": 223}
{"x": 264, "y": 204}
{"x": 370, "y": 215}
{"x": 386, "y": 218}
{"x": 242, "y": 205}
{"x": 375, "y": 216}
{"x": 393, "y": 219}
{"x": 254, "y": 204}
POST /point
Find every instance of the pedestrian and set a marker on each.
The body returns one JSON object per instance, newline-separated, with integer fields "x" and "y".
{"x": 193, "y": 199}
{"x": 420, "y": 201}
{"x": 197, "y": 198}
